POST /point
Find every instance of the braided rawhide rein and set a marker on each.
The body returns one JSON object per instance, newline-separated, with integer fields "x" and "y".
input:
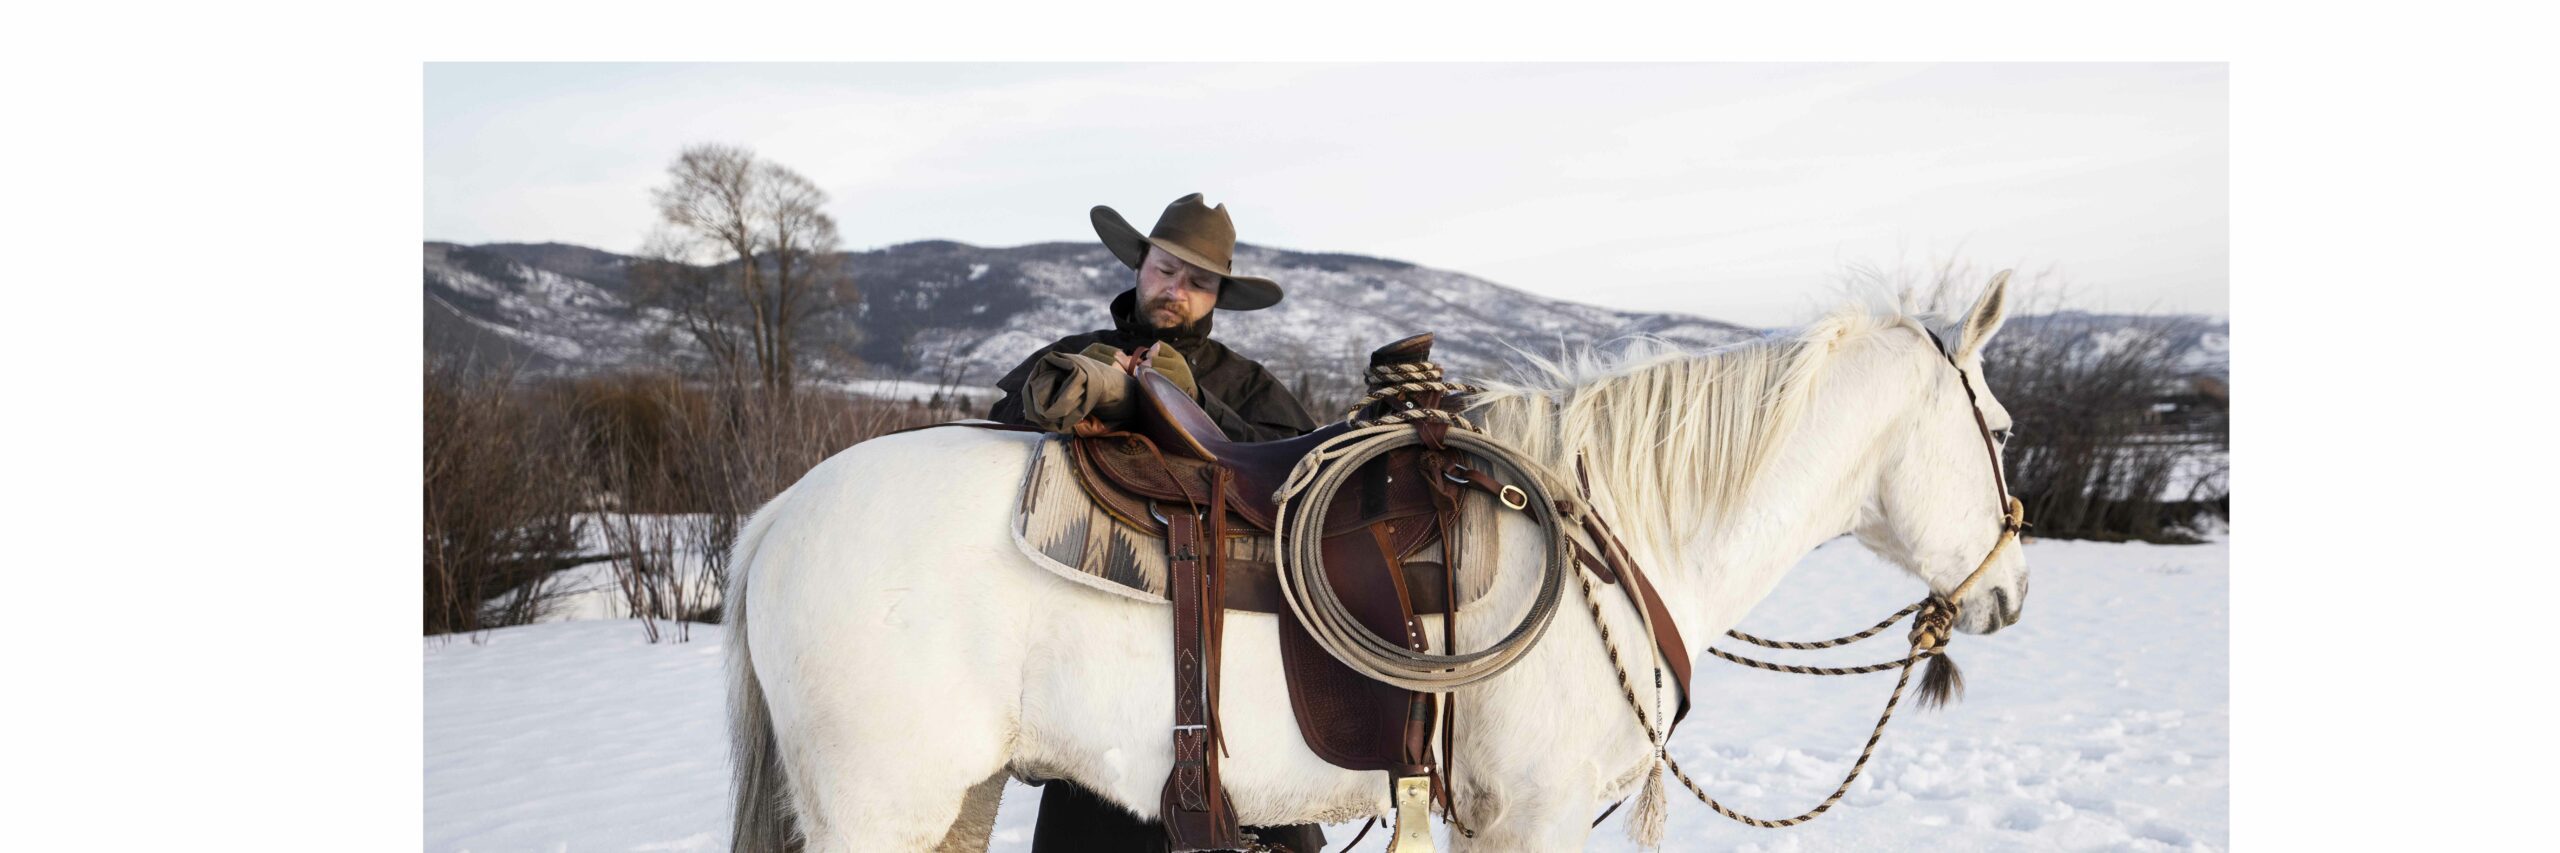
{"x": 1928, "y": 695}
{"x": 1928, "y": 642}
{"x": 1930, "y": 632}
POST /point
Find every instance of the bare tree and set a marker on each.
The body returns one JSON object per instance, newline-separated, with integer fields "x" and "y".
{"x": 743, "y": 259}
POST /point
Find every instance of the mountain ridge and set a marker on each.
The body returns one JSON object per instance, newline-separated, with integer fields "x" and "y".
{"x": 953, "y": 313}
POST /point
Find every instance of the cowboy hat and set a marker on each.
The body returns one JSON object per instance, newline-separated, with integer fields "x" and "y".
{"x": 1200, "y": 235}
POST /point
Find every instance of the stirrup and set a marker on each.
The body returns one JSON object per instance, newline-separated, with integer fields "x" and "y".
{"x": 1413, "y": 816}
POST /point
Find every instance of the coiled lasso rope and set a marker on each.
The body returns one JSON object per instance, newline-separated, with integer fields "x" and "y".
{"x": 1299, "y": 561}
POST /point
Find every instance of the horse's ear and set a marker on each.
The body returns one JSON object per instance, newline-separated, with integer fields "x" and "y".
{"x": 1985, "y": 318}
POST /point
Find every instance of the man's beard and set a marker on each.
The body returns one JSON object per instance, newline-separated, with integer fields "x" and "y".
{"x": 1149, "y": 314}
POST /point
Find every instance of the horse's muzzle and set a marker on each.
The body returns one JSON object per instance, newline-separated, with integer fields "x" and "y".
{"x": 2004, "y": 611}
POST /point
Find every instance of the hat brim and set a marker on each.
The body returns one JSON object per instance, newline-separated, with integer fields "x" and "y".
{"x": 1238, "y": 293}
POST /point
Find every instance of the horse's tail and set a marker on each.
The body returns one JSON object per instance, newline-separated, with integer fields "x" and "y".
{"x": 761, "y": 814}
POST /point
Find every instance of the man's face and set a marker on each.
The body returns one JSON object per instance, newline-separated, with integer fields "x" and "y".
{"x": 1172, "y": 293}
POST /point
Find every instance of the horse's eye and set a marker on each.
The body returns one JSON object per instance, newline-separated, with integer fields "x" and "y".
{"x": 2002, "y": 435}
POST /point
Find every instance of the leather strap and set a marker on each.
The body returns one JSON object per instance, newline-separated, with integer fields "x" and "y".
{"x": 1666, "y": 633}
{"x": 1214, "y": 543}
{"x": 1612, "y": 561}
{"x": 1973, "y": 401}
{"x": 1443, "y": 788}
{"x": 1596, "y": 563}
{"x": 1666, "y": 638}
{"x": 1196, "y": 812}
{"x": 1190, "y": 668}
{"x": 1414, "y": 747}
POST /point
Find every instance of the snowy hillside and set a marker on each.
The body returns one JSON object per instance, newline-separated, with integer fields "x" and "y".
{"x": 557, "y": 308}
{"x": 2202, "y": 347}
{"x": 579, "y": 736}
{"x": 945, "y": 312}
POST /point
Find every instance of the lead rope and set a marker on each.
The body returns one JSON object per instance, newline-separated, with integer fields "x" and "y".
{"x": 1834, "y": 642}
{"x": 1928, "y": 638}
{"x": 1930, "y": 632}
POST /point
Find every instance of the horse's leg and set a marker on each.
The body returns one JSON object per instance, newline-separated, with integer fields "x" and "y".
{"x": 977, "y": 821}
{"x": 885, "y": 736}
{"x": 873, "y": 779}
{"x": 887, "y": 725}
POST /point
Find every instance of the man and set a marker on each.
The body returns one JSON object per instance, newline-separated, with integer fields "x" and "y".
{"x": 1183, "y": 276}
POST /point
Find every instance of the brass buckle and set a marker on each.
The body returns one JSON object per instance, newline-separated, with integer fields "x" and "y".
{"x": 1514, "y": 497}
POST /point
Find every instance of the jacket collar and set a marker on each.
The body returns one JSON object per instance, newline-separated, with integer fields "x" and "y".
{"x": 1124, "y": 310}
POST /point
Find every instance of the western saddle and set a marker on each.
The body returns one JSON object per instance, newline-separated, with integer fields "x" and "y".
{"x": 1174, "y": 474}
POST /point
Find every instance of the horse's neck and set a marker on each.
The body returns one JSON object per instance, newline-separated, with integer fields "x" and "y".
{"x": 1809, "y": 492}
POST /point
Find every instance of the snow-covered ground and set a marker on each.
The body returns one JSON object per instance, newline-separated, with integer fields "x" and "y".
{"x": 592, "y": 590}
{"x": 2101, "y": 721}
{"x": 912, "y": 391}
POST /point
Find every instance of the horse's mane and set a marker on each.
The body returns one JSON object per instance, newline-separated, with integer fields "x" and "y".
{"x": 1682, "y": 434}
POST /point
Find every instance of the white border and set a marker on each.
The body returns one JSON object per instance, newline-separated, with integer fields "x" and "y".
{"x": 213, "y": 476}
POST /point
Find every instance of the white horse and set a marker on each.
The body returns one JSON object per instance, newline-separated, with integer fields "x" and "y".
{"x": 894, "y": 657}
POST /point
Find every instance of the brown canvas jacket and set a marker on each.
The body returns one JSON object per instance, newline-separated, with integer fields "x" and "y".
{"x": 1246, "y": 400}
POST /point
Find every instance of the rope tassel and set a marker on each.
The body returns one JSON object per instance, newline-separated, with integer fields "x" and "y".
{"x": 1653, "y": 806}
{"x": 1940, "y": 681}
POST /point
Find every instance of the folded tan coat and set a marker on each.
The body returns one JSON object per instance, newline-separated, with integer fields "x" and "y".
{"x": 1064, "y": 389}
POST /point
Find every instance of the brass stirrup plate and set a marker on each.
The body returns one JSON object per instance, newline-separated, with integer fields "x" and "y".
{"x": 1413, "y": 816}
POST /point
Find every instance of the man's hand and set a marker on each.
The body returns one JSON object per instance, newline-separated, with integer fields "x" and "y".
{"x": 1128, "y": 361}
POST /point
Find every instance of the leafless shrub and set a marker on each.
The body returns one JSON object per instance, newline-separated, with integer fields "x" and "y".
{"x": 707, "y": 535}
{"x": 674, "y": 466}
{"x": 645, "y": 569}
{"x": 629, "y": 432}
{"x": 501, "y": 500}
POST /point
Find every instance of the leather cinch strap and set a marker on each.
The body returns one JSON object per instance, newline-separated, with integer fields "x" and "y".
{"x": 1197, "y": 814}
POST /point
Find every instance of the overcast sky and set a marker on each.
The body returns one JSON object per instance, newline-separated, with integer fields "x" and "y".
{"x": 1736, "y": 191}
